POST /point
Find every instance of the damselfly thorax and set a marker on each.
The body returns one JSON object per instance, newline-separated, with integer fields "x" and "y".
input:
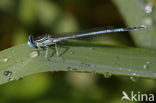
{"x": 44, "y": 41}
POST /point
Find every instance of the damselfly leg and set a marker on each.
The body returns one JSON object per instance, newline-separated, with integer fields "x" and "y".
{"x": 57, "y": 53}
{"x": 46, "y": 53}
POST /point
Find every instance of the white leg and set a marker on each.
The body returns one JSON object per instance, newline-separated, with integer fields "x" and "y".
{"x": 57, "y": 53}
{"x": 46, "y": 54}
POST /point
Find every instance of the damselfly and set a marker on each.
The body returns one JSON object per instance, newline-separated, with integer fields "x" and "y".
{"x": 47, "y": 40}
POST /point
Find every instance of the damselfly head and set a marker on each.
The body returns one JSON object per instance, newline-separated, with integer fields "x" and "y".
{"x": 30, "y": 41}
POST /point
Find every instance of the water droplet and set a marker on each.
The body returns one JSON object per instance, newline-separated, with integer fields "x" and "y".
{"x": 148, "y": 62}
{"x": 12, "y": 51}
{"x": 10, "y": 79}
{"x": 34, "y": 54}
{"x": 147, "y": 21}
{"x": 146, "y": 67}
{"x": 107, "y": 74}
{"x": 134, "y": 74}
{"x": 7, "y": 73}
{"x": 133, "y": 79}
{"x": 91, "y": 48}
{"x": 5, "y": 59}
{"x": 148, "y": 7}
{"x": 116, "y": 58}
{"x": 20, "y": 78}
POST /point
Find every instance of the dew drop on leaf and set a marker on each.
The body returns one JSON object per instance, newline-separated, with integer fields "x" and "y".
{"x": 134, "y": 74}
{"x": 148, "y": 62}
{"x": 20, "y": 78}
{"x": 34, "y": 54}
{"x": 10, "y": 79}
{"x": 148, "y": 7}
{"x": 5, "y": 59}
{"x": 145, "y": 67}
{"x": 133, "y": 79}
{"x": 7, "y": 73}
{"x": 107, "y": 74}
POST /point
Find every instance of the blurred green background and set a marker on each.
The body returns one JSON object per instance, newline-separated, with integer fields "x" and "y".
{"x": 19, "y": 18}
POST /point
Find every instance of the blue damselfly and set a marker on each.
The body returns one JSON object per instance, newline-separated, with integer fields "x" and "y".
{"x": 47, "y": 40}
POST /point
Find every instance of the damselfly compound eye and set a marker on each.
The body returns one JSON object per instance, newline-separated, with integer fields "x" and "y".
{"x": 30, "y": 41}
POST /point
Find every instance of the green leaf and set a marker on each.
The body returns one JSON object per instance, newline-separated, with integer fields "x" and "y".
{"x": 20, "y": 61}
{"x": 133, "y": 12}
